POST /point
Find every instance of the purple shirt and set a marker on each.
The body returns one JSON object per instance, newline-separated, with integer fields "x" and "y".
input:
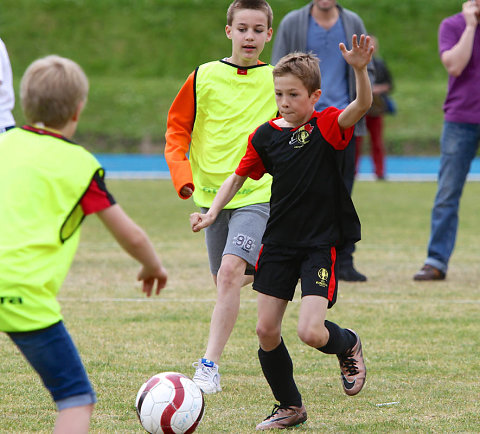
{"x": 463, "y": 97}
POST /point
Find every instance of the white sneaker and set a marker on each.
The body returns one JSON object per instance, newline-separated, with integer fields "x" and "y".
{"x": 207, "y": 376}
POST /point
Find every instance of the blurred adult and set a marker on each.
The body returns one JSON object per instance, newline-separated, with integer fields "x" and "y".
{"x": 319, "y": 27}
{"x": 7, "y": 95}
{"x": 374, "y": 119}
{"x": 459, "y": 47}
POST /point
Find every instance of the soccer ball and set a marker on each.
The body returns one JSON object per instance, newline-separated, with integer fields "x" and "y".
{"x": 169, "y": 403}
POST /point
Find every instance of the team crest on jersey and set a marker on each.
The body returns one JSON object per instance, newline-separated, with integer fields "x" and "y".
{"x": 301, "y": 137}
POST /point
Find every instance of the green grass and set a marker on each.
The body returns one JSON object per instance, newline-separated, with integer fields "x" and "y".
{"x": 167, "y": 38}
{"x": 138, "y": 53}
{"x": 420, "y": 339}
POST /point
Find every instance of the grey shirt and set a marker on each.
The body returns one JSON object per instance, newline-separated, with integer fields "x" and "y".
{"x": 291, "y": 36}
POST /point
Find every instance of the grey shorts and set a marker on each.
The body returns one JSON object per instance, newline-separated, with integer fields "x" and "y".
{"x": 237, "y": 232}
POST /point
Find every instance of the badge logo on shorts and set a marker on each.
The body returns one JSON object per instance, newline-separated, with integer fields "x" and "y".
{"x": 323, "y": 276}
{"x": 301, "y": 137}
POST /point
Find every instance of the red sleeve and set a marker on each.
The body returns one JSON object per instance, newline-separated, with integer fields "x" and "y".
{"x": 251, "y": 164}
{"x": 181, "y": 117}
{"x": 97, "y": 197}
{"x": 327, "y": 122}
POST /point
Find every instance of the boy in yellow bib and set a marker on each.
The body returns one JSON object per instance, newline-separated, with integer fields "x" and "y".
{"x": 208, "y": 125}
{"x": 48, "y": 184}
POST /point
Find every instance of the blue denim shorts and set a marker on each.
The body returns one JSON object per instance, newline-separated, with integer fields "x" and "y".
{"x": 52, "y": 353}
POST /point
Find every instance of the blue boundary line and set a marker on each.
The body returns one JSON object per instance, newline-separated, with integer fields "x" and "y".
{"x": 137, "y": 166}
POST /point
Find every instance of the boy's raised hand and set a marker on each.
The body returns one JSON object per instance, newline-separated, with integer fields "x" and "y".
{"x": 360, "y": 54}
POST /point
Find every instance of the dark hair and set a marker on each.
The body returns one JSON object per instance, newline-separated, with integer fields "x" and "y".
{"x": 261, "y": 5}
{"x": 301, "y": 65}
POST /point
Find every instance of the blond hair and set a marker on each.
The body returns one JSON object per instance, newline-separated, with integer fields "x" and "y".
{"x": 51, "y": 90}
{"x": 261, "y": 5}
{"x": 303, "y": 66}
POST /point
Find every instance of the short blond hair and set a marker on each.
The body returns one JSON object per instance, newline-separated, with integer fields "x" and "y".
{"x": 52, "y": 89}
{"x": 261, "y": 5}
{"x": 303, "y": 66}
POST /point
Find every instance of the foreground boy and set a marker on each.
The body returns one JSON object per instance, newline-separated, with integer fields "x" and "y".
{"x": 219, "y": 105}
{"x": 311, "y": 215}
{"x": 48, "y": 185}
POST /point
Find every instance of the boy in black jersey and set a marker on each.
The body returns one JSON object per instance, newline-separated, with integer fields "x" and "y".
{"x": 311, "y": 215}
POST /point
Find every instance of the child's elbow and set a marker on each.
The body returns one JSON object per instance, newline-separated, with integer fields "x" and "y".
{"x": 364, "y": 106}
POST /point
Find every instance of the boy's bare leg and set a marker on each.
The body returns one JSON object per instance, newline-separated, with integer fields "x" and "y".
{"x": 247, "y": 280}
{"x": 230, "y": 279}
{"x": 329, "y": 338}
{"x": 269, "y": 323}
{"x": 74, "y": 420}
{"x": 311, "y": 322}
{"x": 277, "y": 366}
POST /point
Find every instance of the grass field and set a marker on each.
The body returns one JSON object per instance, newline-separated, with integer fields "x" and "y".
{"x": 420, "y": 339}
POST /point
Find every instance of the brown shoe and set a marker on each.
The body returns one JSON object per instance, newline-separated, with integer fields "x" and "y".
{"x": 429, "y": 272}
{"x": 353, "y": 368}
{"x": 284, "y": 417}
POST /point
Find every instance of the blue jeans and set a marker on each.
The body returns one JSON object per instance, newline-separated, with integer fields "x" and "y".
{"x": 459, "y": 145}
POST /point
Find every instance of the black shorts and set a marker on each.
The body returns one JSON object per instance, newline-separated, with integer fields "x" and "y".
{"x": 279, "y": 268}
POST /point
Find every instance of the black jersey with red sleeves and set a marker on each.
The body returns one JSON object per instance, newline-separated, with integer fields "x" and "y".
{"x": 310, "y": 205}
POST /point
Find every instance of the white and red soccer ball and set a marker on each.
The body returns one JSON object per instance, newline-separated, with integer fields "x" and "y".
{"x": 170, "y": 403}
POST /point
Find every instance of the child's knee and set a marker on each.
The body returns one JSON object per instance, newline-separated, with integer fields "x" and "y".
{"x": 231, "y": 272}
{"x": 267, "y": 334}
{"x": 315, "y": 337}
{"x": 262, "y": 332}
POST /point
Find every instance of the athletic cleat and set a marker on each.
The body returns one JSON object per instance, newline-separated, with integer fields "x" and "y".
{"x": 284, "y": 417}
{"x": 207, "y": 376}
{"x": 353, "y": 368}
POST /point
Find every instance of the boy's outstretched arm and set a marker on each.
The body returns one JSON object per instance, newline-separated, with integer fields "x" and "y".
{"x": 224, "y": 195}
{"x": 358, "y": 58}
{"x": 133, "y": 239}
{"x": 181, "y": 117}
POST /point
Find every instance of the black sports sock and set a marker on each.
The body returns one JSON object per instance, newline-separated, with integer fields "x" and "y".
{"x": 340, "y": 340}
{"x": 277, "y": 367}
